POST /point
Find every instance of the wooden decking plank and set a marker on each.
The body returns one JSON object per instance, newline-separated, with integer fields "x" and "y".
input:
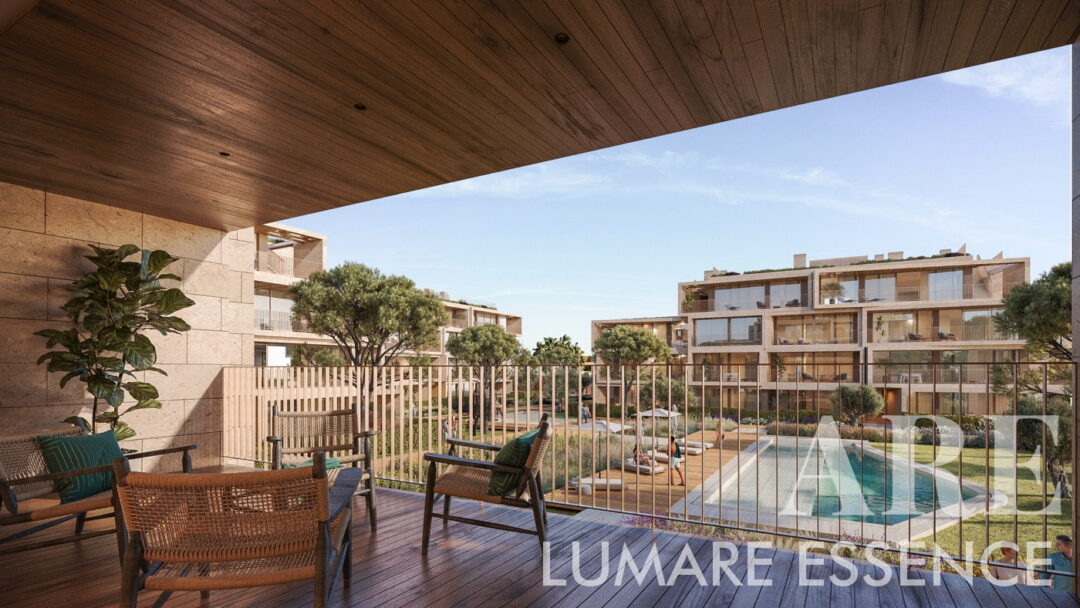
{"x": 474, "y": 566}
{"x": 474, "y": 586}
{"x": 515, "y": 588}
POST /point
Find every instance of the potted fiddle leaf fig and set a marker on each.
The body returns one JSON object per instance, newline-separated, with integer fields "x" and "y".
{"x": 106, "y": 346}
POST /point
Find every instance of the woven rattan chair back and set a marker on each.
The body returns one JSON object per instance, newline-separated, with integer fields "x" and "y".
{"x": 206, "y": 518}
{"x": 304, "y": 433}
{"x": 536, "y": 453}
{"x": 20, "y": 457}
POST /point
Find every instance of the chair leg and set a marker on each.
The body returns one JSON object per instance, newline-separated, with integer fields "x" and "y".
{"x": 429, "y": 497}
{"x": 80, "y": 521}
{"x": 346, "y": 568}
{"x": 129, "y": 576}
{"x": 537, "y": 509}
{"x": 446, "y": 508}
{"x": 371, "y": 500}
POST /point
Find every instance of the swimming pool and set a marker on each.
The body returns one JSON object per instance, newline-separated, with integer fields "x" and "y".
{"x": 878, "y": 495}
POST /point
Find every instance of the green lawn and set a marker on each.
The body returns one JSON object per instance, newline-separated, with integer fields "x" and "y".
{"x": 1023, "y": 528}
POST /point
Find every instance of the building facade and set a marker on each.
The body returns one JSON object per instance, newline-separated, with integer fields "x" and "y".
{"x": 921, "y": 330}
{"x": 285, "y": 255}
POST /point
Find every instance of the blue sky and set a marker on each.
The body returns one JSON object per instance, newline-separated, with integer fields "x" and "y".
{"x": 978, "y": 156}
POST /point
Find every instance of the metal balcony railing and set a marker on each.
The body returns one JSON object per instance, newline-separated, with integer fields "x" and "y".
{"x": 744, "y": 443}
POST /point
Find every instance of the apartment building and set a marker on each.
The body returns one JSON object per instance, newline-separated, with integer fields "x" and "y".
{"x": 898, "y": 323}
{"x": 285, "y": 255}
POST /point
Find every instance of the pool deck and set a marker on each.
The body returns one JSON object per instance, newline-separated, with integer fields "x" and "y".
{"x": 654, "y": 493}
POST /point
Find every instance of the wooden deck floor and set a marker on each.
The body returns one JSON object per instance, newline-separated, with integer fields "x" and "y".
{"x": 473, "y": 566}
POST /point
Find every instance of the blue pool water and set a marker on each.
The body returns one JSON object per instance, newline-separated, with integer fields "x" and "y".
{"x": 892, "y": 490}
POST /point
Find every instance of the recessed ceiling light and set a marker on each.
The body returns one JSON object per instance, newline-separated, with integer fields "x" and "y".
{"x": 359, "y": 106}
{"x": 562, "y": 37}
{"x": 224, "y": 153}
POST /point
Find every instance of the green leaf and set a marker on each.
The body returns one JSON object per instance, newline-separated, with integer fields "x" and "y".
{"x": 145, "y": 404}
{"x": 124, "y": 251}
{"x": 100, "y": 387}
{"x": 141, "y": 390}
{"x": 109, "y": 416}
{"x": 123, "y": 431}
{"x": 78, "y": 421}
{"x": 68, "y": 377}
{"x": 172, "y": 300}
{"x": 140, "y": 352}
{"x": 153, "y": 262}
{"x": 115, "y": 398}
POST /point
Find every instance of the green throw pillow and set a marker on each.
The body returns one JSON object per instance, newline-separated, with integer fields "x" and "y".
{"x": 513, "y": 454}
{"x": 331, "y": 463}
{"x": 68, "y": 453}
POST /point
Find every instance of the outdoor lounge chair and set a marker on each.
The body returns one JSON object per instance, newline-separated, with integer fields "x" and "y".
{"x": 298, "y": 435}
{"x": 945, "y": 336}
{"x": 641, "y": 468}
{"x": 701, "y": 445}
{"x": 914, "y": 337}
{"x": 468, "y": 478}
{"x": 588, "y": 485}
{"x": 24, "y": 476}
{"x": 207, "y": 532}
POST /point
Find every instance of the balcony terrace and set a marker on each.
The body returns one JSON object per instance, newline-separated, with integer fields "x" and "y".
{"x": 472, "y": 566}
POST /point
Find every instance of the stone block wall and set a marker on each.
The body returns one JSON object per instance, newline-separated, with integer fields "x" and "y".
{"x": 44, "y": 237}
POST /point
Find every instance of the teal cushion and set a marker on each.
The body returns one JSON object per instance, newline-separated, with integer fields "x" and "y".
{"x": 513, "y": 454}
{"x": 72, "y": 452}
{"x": 331, "y": 463}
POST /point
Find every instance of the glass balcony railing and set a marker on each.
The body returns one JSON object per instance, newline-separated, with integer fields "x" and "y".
{"x": 273, "y": 320}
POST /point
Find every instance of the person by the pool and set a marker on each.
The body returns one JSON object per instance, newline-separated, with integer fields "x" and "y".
{"x": 1062, "y": 562}
{"x": 676, "y": 462}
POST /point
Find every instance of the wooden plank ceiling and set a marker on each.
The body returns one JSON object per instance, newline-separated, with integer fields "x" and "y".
{"x": 324, "y": 103}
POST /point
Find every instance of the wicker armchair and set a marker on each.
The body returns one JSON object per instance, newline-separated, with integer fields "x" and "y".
{"x": 207, "y": 532}
{"x": 24, "y": 476}
{"x": 467, "y": 478}
{"x": 298, "y": 435}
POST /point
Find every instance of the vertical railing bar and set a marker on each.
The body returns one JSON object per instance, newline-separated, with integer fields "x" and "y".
{"x": 1016, "y": 457}
{"x": 1045, "y": 460}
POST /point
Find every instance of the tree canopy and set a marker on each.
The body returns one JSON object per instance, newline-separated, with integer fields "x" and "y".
{"x": 1041, "y": 313}
{"x": 558, "y": 351}
{"x": 626, "y": 345}
{"x": 849, "y": 402}
{"x": 373, "y": 317}
{"x": 485, "y": 345}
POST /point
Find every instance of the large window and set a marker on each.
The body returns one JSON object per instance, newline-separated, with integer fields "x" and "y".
{"x": 839, "y": 289}
{"x": 879, "y": 288}
{"x": 786, "y": 295}
{"x": 941, "y": 325}
{"x": 816, "y": 329}
{"x": 814, "y": 367}
{"x": 739, "y": 298}
{"x": 946, "y": 285}
{"x": 726, "y": 367}
{"x": 723, "y": 332}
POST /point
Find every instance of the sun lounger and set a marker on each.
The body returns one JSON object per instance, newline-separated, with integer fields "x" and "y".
{"x": 588, "y": 486}
{"x": 704, "y": 445}
{"x": 642, "y": 469}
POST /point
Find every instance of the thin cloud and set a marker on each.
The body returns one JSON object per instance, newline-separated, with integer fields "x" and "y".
{"x": 817, "y": 177}
{"x": 1041, "y": 79}
{"x": 529, "y": 182}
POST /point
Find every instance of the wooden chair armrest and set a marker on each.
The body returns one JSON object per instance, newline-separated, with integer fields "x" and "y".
{"x": 476, "y": 464}
{"x": 342, "y": 492}
{"x": 273, "y": 439}
{"x": 182, "y": 448}
{"x": 366, "y": 433}
{"x": 464, "y": 443}
{"x": 55, "y": 476}
{"x": 185, "y": 463}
